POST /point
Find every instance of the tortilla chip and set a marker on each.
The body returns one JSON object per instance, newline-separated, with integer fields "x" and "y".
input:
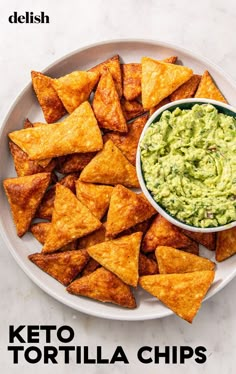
{"x": 73, "y": 163}
{"x": 147, "y": 266}
{"x": 95, "y": 197}
{"x": 64, "y": 266}
{"x": 110, "y": 166}
{"x": 160, "y": 79}
{"x": 206, "y": 239}
{"x": 46, "y": 206}
{"x": 113, "y": 64}
{"x": 162, "y": 232}
{"x": 126, "y": 210}
{"x": 49, "y": 101}
{"x": 78, "y": 133}
{"x": 106, "y": 105}
{"x": 75, "y": 88}
{"x": 128, "y": 143}
{"x": 187, "y": 89}
{"x": 95, "y": 237}
{"x": 131, "y": 109}
{"x": 131, "y": 80}
{"x": 24, "y": 195}
{"x": 182, "y": 293}
{"x": 70, "y": 220}
{"x": 162, "y": 103}
{"x": 103, "y": 286}
{"x": 170, "y": 60}
{"x": 120, "y": 256}
{"x": 207, "y": 89}
{"x": 24, "y": 166}
{"x": 225, "y": 244}
{"x": 173, "y": 261}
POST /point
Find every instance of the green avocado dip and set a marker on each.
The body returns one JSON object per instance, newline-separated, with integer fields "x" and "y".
{"x": 188, "y": 162}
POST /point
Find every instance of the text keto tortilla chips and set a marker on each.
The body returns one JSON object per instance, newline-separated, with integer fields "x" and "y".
{"x": 102, "y": 285}
{"x": 160, "y": 79}
{"x": 128, "y": 143}
{"x": 113, "y": 65}
{"x": 110, "y": 166}
{"x": 73, "y": 163}
{"x": 24, "y": 195}
{"x": 172, "y": 261}
{"x": 106, "y": 105}
{"x": 126, "y": 210}
{"x": 207, "y": 89}
{"x": 187, "y": 89}
{"x": 206, "y": 239}
{"x": 64, "y": 266}
{"x": 75, "y": 88}
{"x": 131, "y": 109}
{"x": 162, "y": 232}
{"x": 182, "y": 293}
{"x": 51, "y": 105}
{"x": 95, "y": 197}
{"x": 120, "y": 256}
{"x": 70, "y": 220}
{"x": 77, "y": 133}
{"x": 225, "y": 244}
{"x": 147, "y": 266}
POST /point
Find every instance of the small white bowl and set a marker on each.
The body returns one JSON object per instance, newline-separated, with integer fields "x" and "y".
{"x": 182, "y": 104}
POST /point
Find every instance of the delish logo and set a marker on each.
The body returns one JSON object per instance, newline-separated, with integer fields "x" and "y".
{"x": 28, "y": 17}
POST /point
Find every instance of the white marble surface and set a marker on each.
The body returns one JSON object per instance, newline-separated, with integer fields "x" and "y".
{"x": 204, "y": 26}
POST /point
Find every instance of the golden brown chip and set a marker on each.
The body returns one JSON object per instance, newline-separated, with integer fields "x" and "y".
{"x": 113, "y": 64}
{"x": 170, "y": 60}
{"x": 49, "y": 101}
{"x": 160, "y": 79}
{"x": 207, "y": 89}
{"x": 162, "y": 232}
{"x": 95, "y": 197}
{"x": 162, "y": 103}
{"x": 75, "y": 88}
{"x": 131, "y": 109}
{"x": 173, "y": 261}
{"x": 110, "y": 166}
{"x": 73, "y": 163}
{"x": 128, "y": 143}
{"x": 182, "y": 293}
{"x": 131, "y": 80}
{"x": 102, "y": 285}
{"x": 24, "y": 195}
{"x": 126, "y": 210}
{"x": 78, "y": 133}
{"x": 225, "y": 244}
{"x": 147, "y": 266}
{"x": 206, "y": 239}
{"x": 45, "y": 208}
{"x": 70, "y": 220}
{"x": 187, "y": 89}
{"x": 95, "y": 237}
{"x": 120, "y": 256}
{"x": 64, "y": 266}
{"x": 106, "y": 105}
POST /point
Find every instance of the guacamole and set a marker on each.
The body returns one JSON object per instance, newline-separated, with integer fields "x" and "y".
{"x": 188, "y": 162}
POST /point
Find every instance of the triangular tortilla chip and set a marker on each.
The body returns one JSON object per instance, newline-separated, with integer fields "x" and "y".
{"x": 160, "y": 79}
{"x": 106, "y": 105}
{"x": 64, "y": 266}
{"x": 70, "y": 220}
{"x": 207, "y": 89}
{"x": 162, "y": 232}
{"x": 187, "y": 89}
{"x": 49, "y": 101}
{"x": 126, "y": 210}
{"x": 113, "y": 64}
{"x": 73, "y": 163}
{"x": 78, "y": 133}
{"x": 173, "y": 261}
{"x": 206, "y": 239}
{"x": 128, "y": 143}
{"x": 147, "y": 266}
{"x": 103, "y": 286}
{"x": 182, "y": 293}
{"x": 120, "y": 256}
{"x": 110, "y": 166}
{"x": 131, "y": 109}
{"x": 75, "y": 88}
{"x": 225, "y": 244}
{"x": 24, "y": 195}
{"x": 95, "y": 197}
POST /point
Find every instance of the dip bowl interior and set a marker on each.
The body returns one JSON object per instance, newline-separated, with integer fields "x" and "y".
{"x": 182, "y": 104}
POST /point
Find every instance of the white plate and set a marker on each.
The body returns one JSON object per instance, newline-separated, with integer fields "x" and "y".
{"x": 27, "y": 106}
